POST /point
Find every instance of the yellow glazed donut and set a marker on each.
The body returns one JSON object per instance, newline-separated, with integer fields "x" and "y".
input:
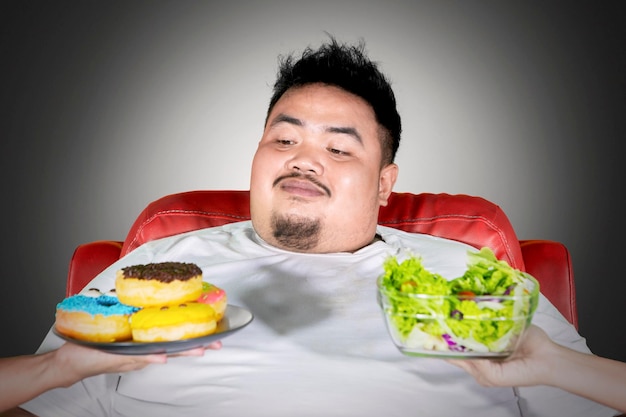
{"x": 215, "y": 297}
{"x": 94, "y": 317}
{"x": 159, "y": 284}
{"x": 168, "y": 323}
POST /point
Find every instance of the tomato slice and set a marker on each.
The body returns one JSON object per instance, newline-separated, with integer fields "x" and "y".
{"x": 466, "y": 294}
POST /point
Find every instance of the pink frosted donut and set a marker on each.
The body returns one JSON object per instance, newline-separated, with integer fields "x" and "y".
{"x": 215, "y": 297}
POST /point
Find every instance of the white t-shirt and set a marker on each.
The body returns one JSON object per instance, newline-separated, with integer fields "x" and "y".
{"x": 317, "y": 346}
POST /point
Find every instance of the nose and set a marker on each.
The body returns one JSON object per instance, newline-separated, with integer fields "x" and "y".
{"x": 306, "y": 161}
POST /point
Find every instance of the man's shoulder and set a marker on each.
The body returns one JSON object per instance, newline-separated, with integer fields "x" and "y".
{"x": 445, "y": 256}
{"x": 228, "y": 228}
{"x": 397, "y": 237}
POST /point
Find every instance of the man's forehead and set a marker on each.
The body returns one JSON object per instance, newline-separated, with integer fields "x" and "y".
{"x": 329, "y": 99}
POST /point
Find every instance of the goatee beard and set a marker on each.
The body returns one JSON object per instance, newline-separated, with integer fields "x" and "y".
{"x": 296, "y": 233}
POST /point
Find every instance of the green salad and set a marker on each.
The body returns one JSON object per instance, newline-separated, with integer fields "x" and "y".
{"x": 484, "y": 310}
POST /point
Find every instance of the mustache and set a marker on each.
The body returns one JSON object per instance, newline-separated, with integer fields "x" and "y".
{"x": 304, "y": 177}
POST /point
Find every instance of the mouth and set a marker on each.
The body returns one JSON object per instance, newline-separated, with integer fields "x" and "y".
{"x": 301, "y": 185}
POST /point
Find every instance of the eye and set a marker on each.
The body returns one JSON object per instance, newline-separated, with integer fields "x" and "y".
{"x": 285, "y": 142}
{"x": 339, "y": 152}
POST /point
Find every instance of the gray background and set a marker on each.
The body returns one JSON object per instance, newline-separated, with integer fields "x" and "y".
{"x": 106, "y": 106}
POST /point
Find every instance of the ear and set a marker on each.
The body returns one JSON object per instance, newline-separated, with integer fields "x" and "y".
{"x": 388, "y": 177}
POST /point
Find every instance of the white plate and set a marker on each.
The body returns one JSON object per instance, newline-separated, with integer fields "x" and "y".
{"x": 235, "y": 319}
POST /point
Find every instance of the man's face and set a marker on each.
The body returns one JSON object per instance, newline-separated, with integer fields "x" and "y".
{"x": 317, "y": 181}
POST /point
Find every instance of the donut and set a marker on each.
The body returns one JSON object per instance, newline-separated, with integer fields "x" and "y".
{"x": 215, "y": 297}
{"x": 158, "y": 284}
{"x": 94, "y": 317}
{"x": 174, "y": 322}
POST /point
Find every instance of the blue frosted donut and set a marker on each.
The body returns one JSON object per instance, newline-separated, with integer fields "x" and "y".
{"x": 96, "y": 318}
{"x": 104, "y": 304}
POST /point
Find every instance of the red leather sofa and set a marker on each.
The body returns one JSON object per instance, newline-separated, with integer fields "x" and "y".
{"x": 469, "y": 219}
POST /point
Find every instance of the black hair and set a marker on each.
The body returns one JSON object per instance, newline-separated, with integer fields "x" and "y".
{"x": 347, "y": 67}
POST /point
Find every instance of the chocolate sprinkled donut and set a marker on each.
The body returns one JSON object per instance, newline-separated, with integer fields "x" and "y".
{"x": 164, "y": 271}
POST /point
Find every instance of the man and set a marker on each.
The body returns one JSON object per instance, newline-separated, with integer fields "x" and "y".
{"x": 306, "y": 267}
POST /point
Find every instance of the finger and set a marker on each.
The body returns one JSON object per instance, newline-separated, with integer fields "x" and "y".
{"x": 215, "y": 345}
{"x": 463, "y": 364}
{"x": 199, "y": 351}
{"x": 194, "y": 352}
{"x": 158, "y": 358}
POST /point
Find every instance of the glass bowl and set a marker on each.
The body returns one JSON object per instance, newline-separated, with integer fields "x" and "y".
{"x": 460, "y": 325}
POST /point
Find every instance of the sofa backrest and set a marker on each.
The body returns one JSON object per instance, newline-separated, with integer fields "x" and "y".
{"x": 472, "y": 220}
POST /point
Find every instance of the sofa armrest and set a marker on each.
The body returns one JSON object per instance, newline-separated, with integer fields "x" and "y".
{"x": 550, "y": 262}
{"x": 88, "y": 260}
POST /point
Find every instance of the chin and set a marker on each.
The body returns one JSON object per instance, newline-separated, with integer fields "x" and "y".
{"x": 296, "y": 232}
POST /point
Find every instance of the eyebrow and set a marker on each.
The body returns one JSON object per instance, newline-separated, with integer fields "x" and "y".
{"x": 283, "y": 118}
{"x": 350, "y": 131}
